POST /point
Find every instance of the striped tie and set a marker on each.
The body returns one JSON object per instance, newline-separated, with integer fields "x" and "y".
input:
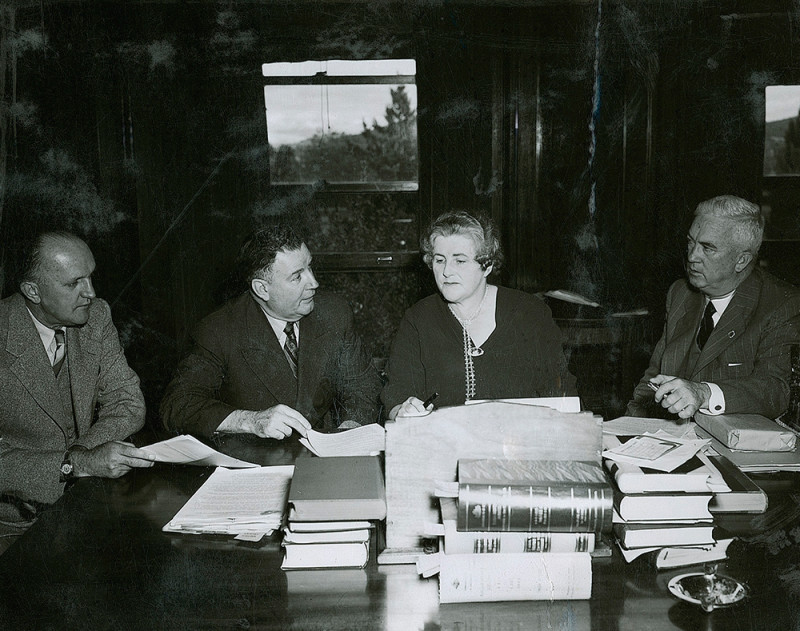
{"x": 60, "y": 354}
{"x": 290, "y": 346}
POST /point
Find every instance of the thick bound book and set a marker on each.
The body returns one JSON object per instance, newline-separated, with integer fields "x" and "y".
{"x": 498, "y": 495}
{"x": 324, "y": 555}
{"x": 337, "y": 488}
{"x": 745, "y": 496}
{"x": 520, "y": 576}
{"x": 691, "y": 477}
{"x": 462, "y": 542}
{"x": 664, "y": 507}
{"x": 643, "y": 535}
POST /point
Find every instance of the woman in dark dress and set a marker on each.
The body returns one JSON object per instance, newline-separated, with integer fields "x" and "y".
{"x": 472, "y": 340}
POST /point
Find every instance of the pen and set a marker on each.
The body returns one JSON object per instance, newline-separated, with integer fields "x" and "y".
{"x": 430, "y": 400}
{"x": 652, "y": 386}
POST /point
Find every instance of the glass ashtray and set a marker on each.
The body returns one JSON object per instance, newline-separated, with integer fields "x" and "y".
{"x": 709, "y": 590}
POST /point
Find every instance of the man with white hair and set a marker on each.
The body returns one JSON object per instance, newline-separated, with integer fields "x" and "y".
{"x": 729, "y": 325}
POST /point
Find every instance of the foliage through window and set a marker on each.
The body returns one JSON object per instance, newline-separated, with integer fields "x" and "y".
{"x": 351, "y": 124}
{"x": 782, "y": 130}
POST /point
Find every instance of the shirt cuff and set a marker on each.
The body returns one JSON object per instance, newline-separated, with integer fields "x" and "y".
{"x": 716, "y": 402}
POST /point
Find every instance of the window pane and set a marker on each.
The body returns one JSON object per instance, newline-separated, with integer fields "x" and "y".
{"x": 342, "y": 133}
{"x": 782, "y": 130}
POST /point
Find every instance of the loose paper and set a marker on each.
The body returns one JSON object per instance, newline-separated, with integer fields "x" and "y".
{"x": 186, "y": 449}
{"x": 367, "y": 440}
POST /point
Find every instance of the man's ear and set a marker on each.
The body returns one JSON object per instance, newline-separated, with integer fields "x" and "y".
{"x": 31, "y": 291}
{"x": 745, "y": 258}
{"x": 260, "y": 288}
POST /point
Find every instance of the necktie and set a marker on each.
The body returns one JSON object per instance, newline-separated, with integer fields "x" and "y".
{"x": 290, "y": 346}
{"x": 58, "y": 356}
{"x": 706, "y": 325}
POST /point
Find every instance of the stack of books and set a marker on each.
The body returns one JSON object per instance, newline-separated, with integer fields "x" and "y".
{"x": 522, "y": 530}
{"x": 333, "y": 503}
{"x": 654, "y": 510}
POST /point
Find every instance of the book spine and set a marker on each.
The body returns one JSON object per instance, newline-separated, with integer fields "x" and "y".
{"x": 500, "y": 577}
{"x": 515, "y": 542}
{"x": 553, "y": 508}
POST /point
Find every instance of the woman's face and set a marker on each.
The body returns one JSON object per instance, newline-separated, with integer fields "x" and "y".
{"x": 458, "y": 275}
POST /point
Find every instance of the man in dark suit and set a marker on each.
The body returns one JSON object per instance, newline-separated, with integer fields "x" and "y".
{"x": 729, "y": 327}
{"x": 68, "y": 397}
{"x": 281, "y": 358}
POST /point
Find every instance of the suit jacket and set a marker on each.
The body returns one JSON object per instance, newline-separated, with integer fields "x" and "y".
{"x": 747, "y": 354}
{"x": 237, "y": 363}
{"x": 35, "y": 428}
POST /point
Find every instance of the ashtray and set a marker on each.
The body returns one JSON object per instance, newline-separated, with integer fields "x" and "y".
{"x": 708, "y": 589}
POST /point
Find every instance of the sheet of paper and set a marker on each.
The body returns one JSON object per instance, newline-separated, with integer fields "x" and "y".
{"x": 233, "y": 501}
{"x": 637, "y": 425}
{"x": 367, "y": 440}
{"x": 562, "y": 404}
{"x": 675, "y": 451}
{"x": 186, "y": 449}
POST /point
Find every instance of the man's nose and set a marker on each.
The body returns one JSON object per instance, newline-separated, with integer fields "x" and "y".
{"x": 312, "y": 280}
{"x": 87, "y": 290}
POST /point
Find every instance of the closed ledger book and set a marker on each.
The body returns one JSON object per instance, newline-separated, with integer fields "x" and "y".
{"x": 656, "y": 535}
{"x": 337, "y": 488}
{"x": 465, "y": 542}
{"x": 745, "y": 496}
{"x": 667, "y": 507}
{"x": 497, "y": 495}
{"x": 691, "y": 477}
{"x": 324, "y": 555}
{"x": 515, "y": 576}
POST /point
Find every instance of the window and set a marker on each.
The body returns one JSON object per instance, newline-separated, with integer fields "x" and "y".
{"x": 349, "y": 124}
{"x": 782, "y": 130}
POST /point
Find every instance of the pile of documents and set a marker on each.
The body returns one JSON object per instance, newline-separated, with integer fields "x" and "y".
{"x": 248, "y": 503}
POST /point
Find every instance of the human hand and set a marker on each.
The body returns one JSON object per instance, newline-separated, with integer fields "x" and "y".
{"x": 412, "y": 406}
{"x": 276, "y": 422}
{"x": 680, "y": 396}
{"x": 109, "y": 460}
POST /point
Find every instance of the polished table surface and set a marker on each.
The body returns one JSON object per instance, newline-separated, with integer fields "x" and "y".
{"x": 99, "y": 560}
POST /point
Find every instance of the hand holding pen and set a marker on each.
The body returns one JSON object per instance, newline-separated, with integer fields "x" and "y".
{"x": 415, "y": 407}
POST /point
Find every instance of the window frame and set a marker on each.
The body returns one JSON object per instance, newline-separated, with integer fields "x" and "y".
{"x": 323, "y": 78}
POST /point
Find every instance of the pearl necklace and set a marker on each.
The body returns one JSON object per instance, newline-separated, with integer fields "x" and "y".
{"x": 470, "y": 350}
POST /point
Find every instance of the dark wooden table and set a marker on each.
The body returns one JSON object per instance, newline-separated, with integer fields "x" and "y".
{"x": 98, "y": 560}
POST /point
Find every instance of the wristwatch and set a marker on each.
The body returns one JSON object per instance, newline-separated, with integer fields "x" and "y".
{"x": 67, "y": 468}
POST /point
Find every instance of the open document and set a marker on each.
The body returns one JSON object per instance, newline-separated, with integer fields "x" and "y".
{"x": 236, "y": 502}
{"x": 188, "y": 450}
{"x": 367, "y": 440}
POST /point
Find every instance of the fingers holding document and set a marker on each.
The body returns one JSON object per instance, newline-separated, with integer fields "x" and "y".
{"x": 277, "y": 422}
{"x": 109, "y": 460}
{"x": 680, "y": 396}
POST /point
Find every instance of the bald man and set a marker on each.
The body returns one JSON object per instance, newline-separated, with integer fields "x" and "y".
{"x": 69, "y": 399}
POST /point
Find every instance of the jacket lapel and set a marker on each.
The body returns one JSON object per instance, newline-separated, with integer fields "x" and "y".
{"x": 733, "y": 321}
{"x": 32, "y": 366}
{"x": 310, "y": 362}
{"x": 687, "y": 318}
{"x": 83, "y": 350}
{"x": 264, "y": 355}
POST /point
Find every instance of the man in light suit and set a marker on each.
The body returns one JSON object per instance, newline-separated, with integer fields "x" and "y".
{"x": 281, "y": 358}
{"x": 729, "y": 326}
{"x": 68, "y": 397}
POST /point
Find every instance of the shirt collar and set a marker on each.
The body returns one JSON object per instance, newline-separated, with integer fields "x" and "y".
{"x": 278, "y": 326}
{"x": 46, "y": 334}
